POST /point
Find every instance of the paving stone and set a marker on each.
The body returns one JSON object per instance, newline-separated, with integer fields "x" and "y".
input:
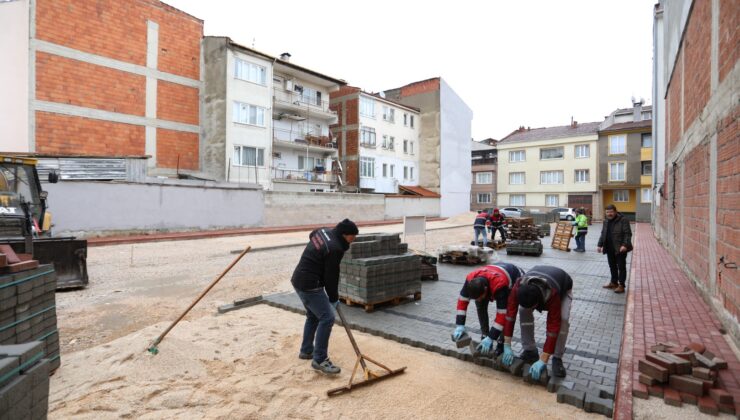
{"x": 647, "y": 380}
{"x": 555, "y": 383}
{"x": 594, "y": 404}
{"x": 719, "y": 363}
{"x": 727, "y": 408}
{"x": 7, "y": 365}
{"x": 708, "y": 406}
{"x": 721, "y": 396}
{"x": 681, "y": 366}
{"x": 572, "y": 397}
{"x": 704, "y": 373}
{"x": 654, "y": 371}
{"x": 655, "y": 391}
{"x": 661, "y": 361}
{"x": 23, "y": 351}
{"x": 695, "y": 347}
{"x": 672, "y": 397}
{"x": 516, "y": 367}
{"x": 688, "y": 398}
{"x": 687, "y": 384}
{"x": 704, "y": 362}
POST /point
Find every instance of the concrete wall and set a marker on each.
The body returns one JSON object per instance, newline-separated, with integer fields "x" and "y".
{"x": 455, "y": 172}
{"x": 213, "y": 129}
{"x": 397, "y": 207}
{"x": 90, "y": 208}
{"x": 14, "y": 76}
{"x": 298, "y": 208}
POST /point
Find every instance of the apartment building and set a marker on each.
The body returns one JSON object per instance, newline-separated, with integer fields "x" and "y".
{"x": 266, "y": 120}
{"x": 484, "y": 164}
{"x": 626, "y": 161}
{"x": 378, "y": 141}
{"x": 549, "y": 167}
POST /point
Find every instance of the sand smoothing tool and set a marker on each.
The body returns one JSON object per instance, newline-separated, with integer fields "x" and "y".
{"x": 369, "y": 375}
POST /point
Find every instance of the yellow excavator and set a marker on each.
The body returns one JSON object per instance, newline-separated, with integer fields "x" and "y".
{"x": 25, "y": 223}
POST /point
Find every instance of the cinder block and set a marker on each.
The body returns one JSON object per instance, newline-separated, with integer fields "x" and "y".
{"x": 672, "y": 397}
{"x": 572, "y": 397}
{"x": 708, "y": 406}
{"x": 687, "y": 384}
{"x": 654, "y": 371}
{"x": 594, "y": 404}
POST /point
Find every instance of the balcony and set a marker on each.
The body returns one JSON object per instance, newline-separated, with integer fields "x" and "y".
{"x": 646, "y": 153}
{"x": 491, "y": 161}
{"x": 646, "y": 179}
{"x": 303, "y": 176}
{"x": 298, "y": 140}
{"x": 305, "y": 106}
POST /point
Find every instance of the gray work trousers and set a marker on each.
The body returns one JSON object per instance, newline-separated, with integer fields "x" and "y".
{"x": 526, "y": 317}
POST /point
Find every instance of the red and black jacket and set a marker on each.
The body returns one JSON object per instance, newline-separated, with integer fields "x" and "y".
{"x": 501, "y": 276}
{"x": 481, "y": 219}
{"x": 497, "y": 220}
{"x": 558, "y": 283}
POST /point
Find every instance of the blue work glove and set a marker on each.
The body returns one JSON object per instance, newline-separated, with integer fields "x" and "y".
{"x": 335, "y": 304}
{"x": 485, "y": 346}
{"x": 536, "y": 370}
{"x": 508, "y": 358}
{"x": 459, "y": 331}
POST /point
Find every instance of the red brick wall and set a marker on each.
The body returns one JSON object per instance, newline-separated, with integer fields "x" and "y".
{"x": 348, "y": 111}
{"x": 673, "y": 100}
{"x": 697, "y": 65}
{"x": 65, "y": 135}
{"x": 173, "y": 144}
{"x": 352, "y": 167}
{"x": 177, "y": 103}
{"x": 728, "y": 36}
{"x": 695, "y": 250}
{"x": 73, "y": 82}
{"x": 728, "y": 210}
{"x": 423, "y": 86}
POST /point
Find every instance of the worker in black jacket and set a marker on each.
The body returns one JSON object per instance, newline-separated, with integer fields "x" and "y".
{"x": 316, "y": 281}
{"x": 616, "y": 241}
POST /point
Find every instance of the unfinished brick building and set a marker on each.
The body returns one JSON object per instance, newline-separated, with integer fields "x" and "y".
{"x": 102, "y": 78}
{"x": 696, "y": 210}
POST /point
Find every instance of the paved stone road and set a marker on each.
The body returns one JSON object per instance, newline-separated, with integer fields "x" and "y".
{"x": 596, "y": 320}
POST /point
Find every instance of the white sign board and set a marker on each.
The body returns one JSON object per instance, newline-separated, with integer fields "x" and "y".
{"x": 415, "y": 225}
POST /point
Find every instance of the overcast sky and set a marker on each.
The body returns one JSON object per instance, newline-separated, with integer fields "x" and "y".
{"x": 530, "y": 63}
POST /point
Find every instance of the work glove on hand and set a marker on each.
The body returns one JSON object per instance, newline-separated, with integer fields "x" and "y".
{"x": 485, "y": 346}
{"x": 536, "y": 370}
{"x": 508, "y": 358}
{"x": 459, "y": 331}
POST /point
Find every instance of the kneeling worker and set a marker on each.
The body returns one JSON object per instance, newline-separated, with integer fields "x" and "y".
{"x": 544, "y": 288}
{"x": 484, "y": 285}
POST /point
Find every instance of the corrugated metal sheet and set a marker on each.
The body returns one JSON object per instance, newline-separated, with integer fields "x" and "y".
{"x": 100, "y": 169}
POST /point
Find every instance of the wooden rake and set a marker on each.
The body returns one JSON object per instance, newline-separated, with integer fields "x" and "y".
{"x": 369, "y": 376}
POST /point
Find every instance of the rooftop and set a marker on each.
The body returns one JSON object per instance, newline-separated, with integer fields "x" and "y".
{"x": 477, "y": 145}
{"x": 629, "y": 125}
{"x": 523, "y": 134}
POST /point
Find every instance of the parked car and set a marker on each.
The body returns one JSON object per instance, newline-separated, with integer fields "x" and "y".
{"x": 512, "y": 211}
{"x": 566, "y": 213}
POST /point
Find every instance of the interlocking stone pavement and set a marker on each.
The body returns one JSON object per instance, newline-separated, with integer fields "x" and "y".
{"x": 597, "y": 315}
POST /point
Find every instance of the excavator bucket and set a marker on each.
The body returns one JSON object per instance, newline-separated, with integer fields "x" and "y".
{"x": 67, "y": 254}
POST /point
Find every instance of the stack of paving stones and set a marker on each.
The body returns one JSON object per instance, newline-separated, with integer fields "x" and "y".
{"x": 523, "y": 237}
{"x": 543, "y": 229}
{"x": 684, "y": 375}
{"x": 377, "y": 269}
{"x": 28, "y": 310}
{"x": 24, "y": 381}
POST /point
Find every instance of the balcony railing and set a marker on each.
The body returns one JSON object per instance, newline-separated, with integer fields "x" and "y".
{"x": 302, "y": 175}
{"x": 302, "y": 138}
{"x": 311, "y": 103}
{"x": 484, "y": 161}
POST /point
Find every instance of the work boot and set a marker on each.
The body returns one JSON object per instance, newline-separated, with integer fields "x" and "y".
{"x": 326, "y": 367}
{"x": 611, "y": 285}
{"x": 557, "y": 367}
{"x": 529, "y": 356}
{"x": 619, "y": 289}
{"x": 305, "y": 356}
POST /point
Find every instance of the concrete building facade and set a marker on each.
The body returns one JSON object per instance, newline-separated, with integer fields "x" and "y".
{"x": 544, "y": 168}
{"x": 378, "y": 141}
{"x": 103, "y": 78}
{"x": 626, "y": 161}
{"x": 484, "y": 166}
{"x": 445, "y": 133}
{"x": 695, "y": 128}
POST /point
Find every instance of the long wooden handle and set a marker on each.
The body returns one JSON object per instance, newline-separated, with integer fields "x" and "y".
{"x": 351, "y": 338}
{"x": 202, "y": 294}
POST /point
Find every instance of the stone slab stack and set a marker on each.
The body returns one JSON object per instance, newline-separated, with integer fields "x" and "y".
{"x": 523, "y": 237}
{"x": 24, "y": 381}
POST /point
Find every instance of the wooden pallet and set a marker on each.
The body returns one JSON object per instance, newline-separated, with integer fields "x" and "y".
{"x": 452, "y": 258}
{"x": 369, "y": 307}
{"x": 561, "y": 238}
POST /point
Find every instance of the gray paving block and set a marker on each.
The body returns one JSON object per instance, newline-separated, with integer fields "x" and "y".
{"x": 555, "y": 383}
{"x": 572, "y": 397}
{"x": 7, "y": 365}
{"x": 516, "y": 367}
{"x": 593, "y": 404}
{"x": 16, "y": 390}
{"x": 463, "y": 341}
{"x": 23, "y": 351}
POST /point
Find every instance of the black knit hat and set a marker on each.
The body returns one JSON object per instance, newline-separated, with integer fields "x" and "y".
{"x": 476, "y": 287}
{"x": 347, "y": 227}
{"x": 529, "y": 295}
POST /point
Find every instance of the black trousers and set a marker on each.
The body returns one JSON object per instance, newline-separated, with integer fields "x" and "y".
{"x": 617, "y": 266}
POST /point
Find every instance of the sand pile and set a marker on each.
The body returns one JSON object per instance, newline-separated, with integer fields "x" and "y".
{"x": 244, "y": 365}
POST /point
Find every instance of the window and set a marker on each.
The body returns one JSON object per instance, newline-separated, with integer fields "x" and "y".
{"x": 620, "y": 196}
{"x": 647, "y": 195}
{"x": 367, "y": 167}
{"x": 249, "y": 156}
{"x": 411, "y": 173}
{"x": 405, "y": 172}
{"x": 484, "y": 178}
{"x": 393, "y": 170}
{"x": 405, "y": 119}
{"x": 406, "y": 146}
{"x": 411, "y": 147}
{"x": 411, "y": 121}
{"x": 244, "y": 70}
{"x": 385, "y": 141}
{"x": 392, "y": 143}
{"x": 551, "y": 200}
{"x": 385, "y": 170}
{"x": 484, "y": 198}
{"x": 647, "y": 140}
{"x": 516, "y": 178}
{"x": 583, "y": 151}
{"x": 367, "y": 136}
{"x": 389, "y": 114}
{"x": 551, "y": 177}
{"x": 249, "y": 114}
{"x": 582, "y": 175}
{"x": 517, "y": 156}
{"x": 367, "y": 107}
{"x": 647, "y": 167}
{"x": 617, "y": 144}
{"x": 308, "y": 95}
{"x": 551, "y": 153}
{"x": 516, "y": 200}
{"x": 307, "y": 163}
{"x": 616, "y": 171}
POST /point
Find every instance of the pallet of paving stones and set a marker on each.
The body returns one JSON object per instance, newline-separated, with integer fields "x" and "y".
{"x": 429, "y": 271}
{"x": 684, "y": 374}
{"x": 371, "y": 305}
{"x": 524, "y": 247}
{"x": 459, "y": 257}
{"x": 543, "y": 229}
{"x": 375, "y": 245}
{"x": 28, "y": 310}
{"x": 24, "y": 381}
{"x": 561, "y": 238}
{"x": 497, "y": 244}
{"x": 10, "y": 262}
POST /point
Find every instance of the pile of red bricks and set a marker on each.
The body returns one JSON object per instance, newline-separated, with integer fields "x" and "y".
{"x": 684, "y": 375}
